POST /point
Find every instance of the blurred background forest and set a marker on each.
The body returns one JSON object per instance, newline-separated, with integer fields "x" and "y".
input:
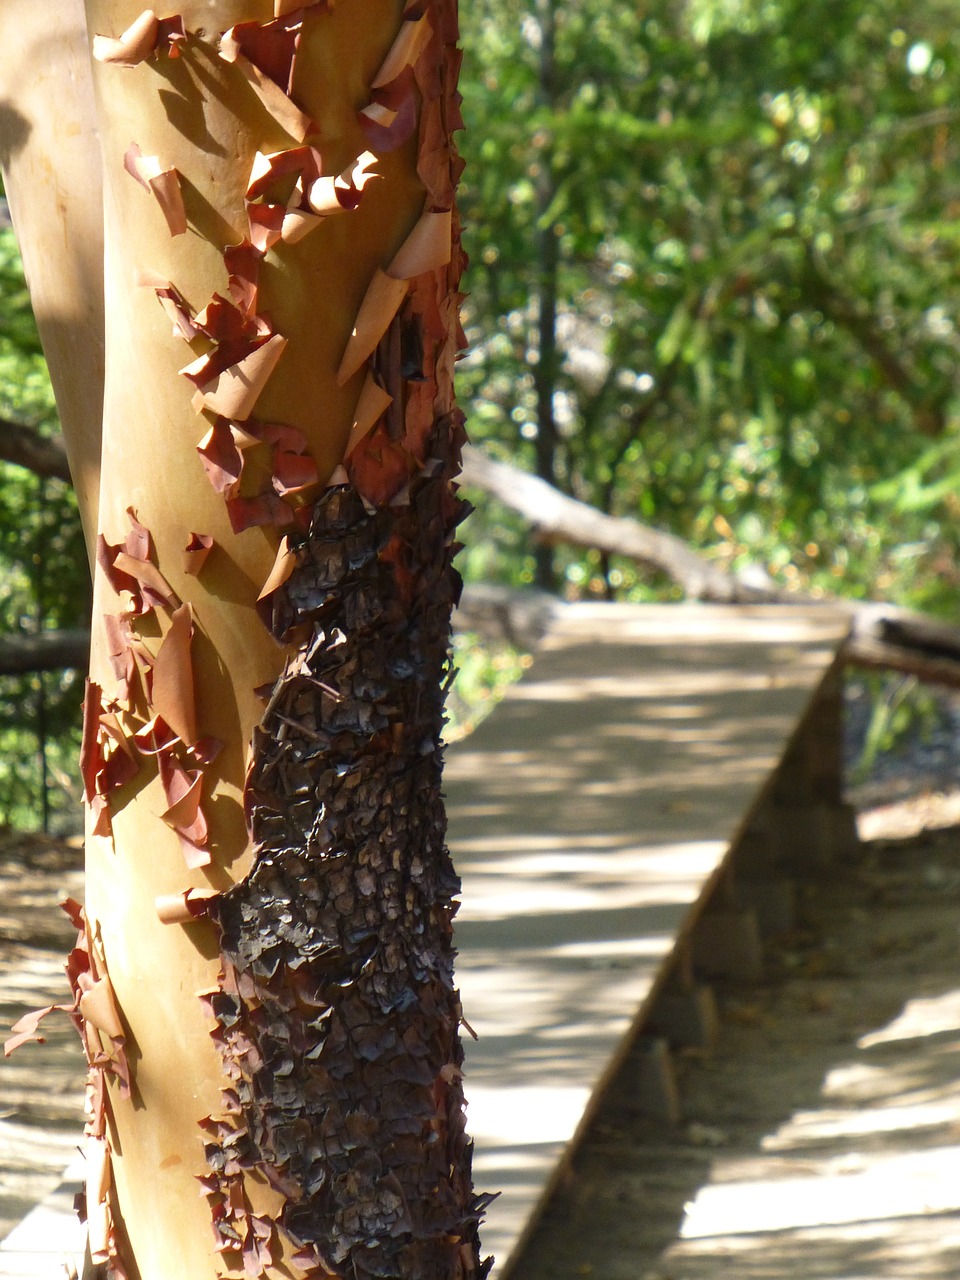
{"x": 714, "y": 286}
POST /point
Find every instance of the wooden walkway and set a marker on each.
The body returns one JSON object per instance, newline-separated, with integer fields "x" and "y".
{"x": 623, "y": 833}
{"x": 591, "y": 816}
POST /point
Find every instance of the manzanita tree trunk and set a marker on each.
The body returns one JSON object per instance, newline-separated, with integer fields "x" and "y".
{"x": 264, "y": 969}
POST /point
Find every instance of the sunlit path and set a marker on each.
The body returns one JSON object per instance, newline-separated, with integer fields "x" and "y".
{"x": 588, "y": 817}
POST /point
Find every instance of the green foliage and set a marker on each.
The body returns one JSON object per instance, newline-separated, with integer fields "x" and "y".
{"x": 748, "y": 215}
{"x": 903, "y": 714}
{"x": 43, "y": 583}
{"x": 756, "y": 208}
{"x": 484, "y": 672}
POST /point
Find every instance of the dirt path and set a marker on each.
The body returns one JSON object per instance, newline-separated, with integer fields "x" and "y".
{"x": 821, "y": 1139}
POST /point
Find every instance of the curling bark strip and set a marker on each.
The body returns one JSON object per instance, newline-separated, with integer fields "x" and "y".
{"x": 266, "y": 829}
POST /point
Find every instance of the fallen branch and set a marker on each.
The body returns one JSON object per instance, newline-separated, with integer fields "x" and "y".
{"x": 559, "y": 518}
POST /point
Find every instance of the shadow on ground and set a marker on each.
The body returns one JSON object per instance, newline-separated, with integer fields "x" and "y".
{"x": 821, "y": 1139}
{"x": 41, "y": 1085}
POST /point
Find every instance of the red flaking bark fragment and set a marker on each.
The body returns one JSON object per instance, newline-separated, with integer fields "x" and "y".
{"x": 265, "y": 53}
{"x": 293, "y": 468}
{"x": 379, "y": 306}
{"x": 283, "y": 567}
{"x": 222, "y": 459}
{"x": 184, "y": 908}
{"x": 426, "y": 248}
{"x": 344, "y": 191}
{"x": 434, "y": 166}
{"x": 270, "y": 46}
{"x": 205, "y": 750}
{"x": 385, "y": 127}
{"x": 257, "y": 1252}
{"x": 113, "y": 1059}
{"x": 293, "y": 472}
{"x": 234, "y": 392}
{"x": 155, "y": 737}
{"x": 146, "y": 37}
{"x": 269, "y": 170}
{"x": 406, "y": 49}
{"x": 224, "y": 322}
{"x": 123, "y": 584}
{"x": 265, "y": 223}
{"x": 138, "y": 541}
{"x": 177, "y": 310}
{"x": 195, "y": 553}
{"x": 162, "y": 182}
{"x": 73, "y": 911}
{"x": 98, "y": 1005}
{"x": 101, "y": 1237}
{"x": 379, "y": 468}
{"x": 171, "y": 35}
{"x": 120, "y": 764}
{"x": 132, "y": 46}
{"x": 155, "y": 589}
{"x": 285, "y": 213}
{"x": 264, "y": 509}
{"x": 90, "y": 757}
{"x": 173, "y": 691}
{"x": 235, "y": 335}
{"x": 373, "y": 403}
{"x": 298, "y": 223}
{"x": 100, "y": 808}
{"x": 25, "y": 1028}
{"x": 183, "y": 789}
{"x": 243, "y": 269}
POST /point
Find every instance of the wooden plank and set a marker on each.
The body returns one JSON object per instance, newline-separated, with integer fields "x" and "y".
{"x": 589, "y": 819}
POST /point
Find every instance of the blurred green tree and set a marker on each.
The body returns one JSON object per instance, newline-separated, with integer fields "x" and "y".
{"x": 714, "y": 280}
{"x": 44, "y": 583}
{"x": 714, "y": 286}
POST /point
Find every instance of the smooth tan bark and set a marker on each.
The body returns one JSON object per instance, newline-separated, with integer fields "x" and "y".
{"x": 51, "y": 174}
{"x": 198, "y": 115}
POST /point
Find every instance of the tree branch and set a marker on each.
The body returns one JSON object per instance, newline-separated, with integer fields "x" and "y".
{"x": 562, "y": 519}
{"x": 26, "y": 447}
{"x": 47, "y": 651}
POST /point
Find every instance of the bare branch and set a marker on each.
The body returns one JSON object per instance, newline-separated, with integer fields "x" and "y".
{"x": 26, "y": 447}
{"x": 48, "y": 651}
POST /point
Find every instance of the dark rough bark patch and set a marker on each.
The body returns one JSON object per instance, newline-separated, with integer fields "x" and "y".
{"x": 338, "y": 1018}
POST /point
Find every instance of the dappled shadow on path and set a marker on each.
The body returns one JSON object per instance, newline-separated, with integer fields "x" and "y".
{"x": 822, "y": 1141}
{"x": 41, "y": 1086}
{"x": 588, "y": 817}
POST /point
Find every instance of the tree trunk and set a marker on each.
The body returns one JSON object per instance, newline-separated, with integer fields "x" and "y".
{"x": 51, "y": 174}
{"x": 265, "y": 826}
{"x": 547, "y": 266}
